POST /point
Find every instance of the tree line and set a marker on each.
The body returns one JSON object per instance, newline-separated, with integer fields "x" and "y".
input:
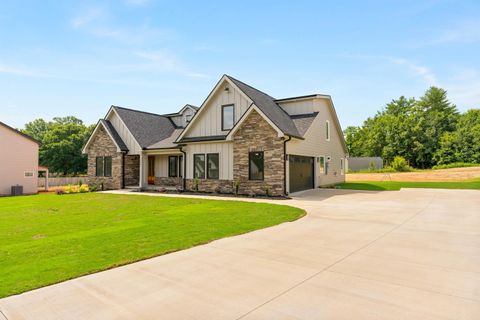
{"x": 62, "y": 140}
{"x": 427, "y": 131}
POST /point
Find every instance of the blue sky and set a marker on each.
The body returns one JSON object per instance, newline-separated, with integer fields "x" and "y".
{"x": 60, "y": 58}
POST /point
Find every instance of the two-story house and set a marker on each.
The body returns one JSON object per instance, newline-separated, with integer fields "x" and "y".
{"x": 239, "y": 138}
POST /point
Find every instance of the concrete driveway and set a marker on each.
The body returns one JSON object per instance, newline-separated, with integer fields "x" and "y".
{"x": 412, "y": 254}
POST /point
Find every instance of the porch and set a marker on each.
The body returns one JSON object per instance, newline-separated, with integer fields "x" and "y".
{"x": 162, "y": 170}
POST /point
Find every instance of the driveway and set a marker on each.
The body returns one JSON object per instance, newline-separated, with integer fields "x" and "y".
{"x": 409, "y": 254}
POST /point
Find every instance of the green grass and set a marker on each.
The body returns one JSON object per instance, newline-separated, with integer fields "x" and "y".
{"x": 46, "y": 239}
{"x": 397, "y": 185}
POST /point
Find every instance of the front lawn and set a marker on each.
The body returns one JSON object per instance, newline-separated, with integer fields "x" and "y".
{"x": 49, "y": 238}
{"x": 397, "y": 185}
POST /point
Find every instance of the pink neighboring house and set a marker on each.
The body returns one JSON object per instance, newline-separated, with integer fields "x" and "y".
{"x": 18, "y": 161}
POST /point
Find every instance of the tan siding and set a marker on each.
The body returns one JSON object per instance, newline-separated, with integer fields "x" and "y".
{"x": 303, "y": 106}
{"x": 225, "y": 151}
{"x": 123, "y": 132}
{"x": 18, "y": 154}
{"x": 209, "y": 120}
{"x": 316, "y": 144}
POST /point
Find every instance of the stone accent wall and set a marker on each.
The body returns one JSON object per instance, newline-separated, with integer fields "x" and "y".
{"x": 208, "y": 185}
{"x": 132, "y": 170}
{"x": 103, "y": 146}
{"x": 256, "y": 134}
{"x": 169, "y": 181}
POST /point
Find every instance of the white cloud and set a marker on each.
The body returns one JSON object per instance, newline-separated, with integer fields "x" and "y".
{"x": 86, "y": 18}
{"x": 137, "y": 2}
{"x": 18, "y": 71}
{"x": 421, "y": 71}
{"x": 160, "y": 59}
{"x": 463, "y": 32}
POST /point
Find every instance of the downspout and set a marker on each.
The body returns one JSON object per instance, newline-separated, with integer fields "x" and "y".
{"x": 285, "y": 164}
{"x": 123, "y": 170}
{"x": 184, "y": 168}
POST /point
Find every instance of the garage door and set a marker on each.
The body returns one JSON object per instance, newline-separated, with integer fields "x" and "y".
{"x": 301, "y": 173}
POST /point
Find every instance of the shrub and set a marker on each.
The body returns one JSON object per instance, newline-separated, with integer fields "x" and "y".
{"x": 400, "y": 164}
{"x": 83, "y": 188}
{"x": 236, "y": 185}
{"x": 456, "y": 165}
{"x": 59, "y": 191}
{"x": 267, "y": 191}
{"x": 196, "y": 181}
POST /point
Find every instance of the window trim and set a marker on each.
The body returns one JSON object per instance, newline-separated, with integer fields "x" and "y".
{"x": 319, "y": 163}
{"x": 342, "y": 166}
{"x": 207, "y": 166}
{"x": 327, "y": 130}
{"x": 204, "y": 165}
{"x": 105, "y": 166}
{"x": 223, "y": 116}
{"x": 97, "y": 174}
{"x": 250, "y": 165}
{"x": 176, "y": 167}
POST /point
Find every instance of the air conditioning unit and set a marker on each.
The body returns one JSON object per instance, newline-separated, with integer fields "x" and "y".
{"x": 17, "y": 190}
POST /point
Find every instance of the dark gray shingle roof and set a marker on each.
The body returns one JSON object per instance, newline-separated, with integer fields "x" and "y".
{"x": 167, "y": 143}
{"x": 108, "y": 125}
{"x": 147, "y": 128}
{"x": 303, "y": 121}
{"x": 269, "y": 107}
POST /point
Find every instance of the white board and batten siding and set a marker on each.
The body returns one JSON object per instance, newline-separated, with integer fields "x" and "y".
{"x": 225, "y": 154}
{"x": 316, "y": 143}
{"x": 209, "y": 122}
{"x": 182, "y": 119}
{"x": 124, "y": 133}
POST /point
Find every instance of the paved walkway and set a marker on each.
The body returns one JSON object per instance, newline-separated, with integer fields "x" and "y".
{"x": 412, "y": 254}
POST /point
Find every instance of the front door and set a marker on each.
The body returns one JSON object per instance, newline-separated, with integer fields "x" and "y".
{"x": 151, "y": 169}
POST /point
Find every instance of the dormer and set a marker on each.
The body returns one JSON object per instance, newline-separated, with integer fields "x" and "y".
{"x": 184, "y": 116}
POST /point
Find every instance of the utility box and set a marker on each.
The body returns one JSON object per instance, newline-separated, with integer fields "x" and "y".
{"x": 17, "y": 190}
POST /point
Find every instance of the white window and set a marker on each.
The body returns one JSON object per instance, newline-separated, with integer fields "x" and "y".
{"x": 327, "y": 130}
{"x": 321, "y": 164}
{"x": 342, "y": 167}
{"x": 228, "y": 117}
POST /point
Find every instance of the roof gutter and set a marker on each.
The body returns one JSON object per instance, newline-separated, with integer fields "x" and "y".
{"x": 184, "y": 168}
{"x": 285, "y": 165}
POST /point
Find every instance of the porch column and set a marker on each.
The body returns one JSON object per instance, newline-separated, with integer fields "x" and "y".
{"x": 46, "y": 180}
{"x": 140, "y": 171}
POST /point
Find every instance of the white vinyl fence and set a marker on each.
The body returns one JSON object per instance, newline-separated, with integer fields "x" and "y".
{"x": 60, "y": 181}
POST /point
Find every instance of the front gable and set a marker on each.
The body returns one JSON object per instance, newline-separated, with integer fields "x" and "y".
{"x": 208, "y": 119}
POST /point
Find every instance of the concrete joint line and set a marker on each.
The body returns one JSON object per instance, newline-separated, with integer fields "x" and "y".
{"x": 3, "y": 316}
{"x": 341, "y": 259}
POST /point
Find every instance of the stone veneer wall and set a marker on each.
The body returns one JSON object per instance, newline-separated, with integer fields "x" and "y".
{"x": 103, "y": 146}
{"x": 132, "y": 170}
{"x": 209, "y": 185}
{"x": 169, "y": 181}
{"x": 256, "y": 134}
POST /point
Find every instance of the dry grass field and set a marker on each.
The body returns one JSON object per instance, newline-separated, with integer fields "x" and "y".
{"x": 441, "y": 175}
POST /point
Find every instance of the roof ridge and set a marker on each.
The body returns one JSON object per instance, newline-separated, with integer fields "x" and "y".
{"x": 250, "y": 87}
{"x": 303, "y": 115}
{"x": 140, "y": 111}
{"x": 20, "y": 133}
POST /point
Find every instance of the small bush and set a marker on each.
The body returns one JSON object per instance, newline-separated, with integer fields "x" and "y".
{"x": 400, "y": 164}
{"x": 59, "y": 191}
{"x": 83, "y": 188}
